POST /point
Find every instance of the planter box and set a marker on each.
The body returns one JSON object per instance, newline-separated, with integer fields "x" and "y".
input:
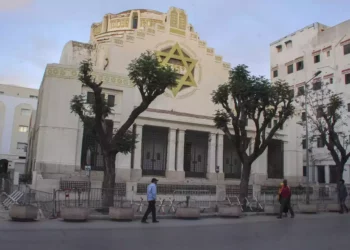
{"x": 121, "y": 213}
{"x": 74, "y": 214}
{"x": 23, "y": 213}
{"x": 188, "y": 213}
{"x": 333, "y": 208}
{"x": 308, "y": 208}
{"x": 272, "y": 209}
{"x": 232, "y": 211}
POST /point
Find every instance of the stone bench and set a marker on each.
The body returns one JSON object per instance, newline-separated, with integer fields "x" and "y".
{"x": 308, "y": 208}
{"x": 121, "y": 213}
{"x": 230, "y": 211}
{"x": 23, "y": 213}
{"x": 334, "y": 207}
{"x": 272, "y": 209}
{"x": 188, "y": 213}
{"x": 75, "y": 214}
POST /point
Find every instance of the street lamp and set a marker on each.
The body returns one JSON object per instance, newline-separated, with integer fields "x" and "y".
{"x": 307, "y": 139}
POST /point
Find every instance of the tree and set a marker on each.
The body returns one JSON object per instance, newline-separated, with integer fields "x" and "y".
{"x": 327, "y": 122}
{"x": 246, "y": 97}
{"x": 151, "y": 79}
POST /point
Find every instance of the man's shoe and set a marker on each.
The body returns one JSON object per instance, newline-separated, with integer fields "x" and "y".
{"x": 279, "y": 217}
{"x": 292, "y": 216}
{"x": 155, "y": 221}
{"x": 144, "y": 221}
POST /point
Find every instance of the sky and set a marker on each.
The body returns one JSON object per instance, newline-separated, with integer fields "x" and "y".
{"x": 34, "y": 32}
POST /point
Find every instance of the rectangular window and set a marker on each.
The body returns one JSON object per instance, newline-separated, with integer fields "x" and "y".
{"x": 274, "y": 123}
{"x": 320, "y": 142}
{"x": 292, "y": 92}
{"x": 111, "y": 100}
{"x": 303, "y": 116}
{"x": 319, "y": 112}
{"x": 304, "y": 143}
{"x": 23, "y": 129}
{"x": 321, "y": 174}
{"x": 330, "y": 80}
{"x": 300, "y": 65}
{"x": 301, "y": 90}
{"x": 348, "y": 107}
{"x": 333, "y": 176}
{"x": 317, "y": 85}
{"x": 21, "y": 145}
{"x": 90, "y": 98}
{"x": 269, "y": 125}
{"x": 317, "y": 59}
{"x": 328, "y": 53}
{"x": 279, "y": 48}
{"x": 288, "y": 44}
{"x": 290, "y": 69}
{"x": 1, "y": 92}
{"x": 347, "y": 49}
{"x": 347, "y": 78}
{"x": 275, "y": 73}
{"x": 33, "y": 97}
{"x": 25, "y": 112}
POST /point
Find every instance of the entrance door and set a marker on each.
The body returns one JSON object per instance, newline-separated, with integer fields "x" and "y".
{"x": 195, "y": 154}
{"x": 154, "y": 151}
{"x": 231, "y": 162}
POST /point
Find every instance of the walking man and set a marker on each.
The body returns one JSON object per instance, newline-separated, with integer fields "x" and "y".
{"x": 342, "y": 194}
{"x": 285, "y": 200}
{"x": 151, "y": 198}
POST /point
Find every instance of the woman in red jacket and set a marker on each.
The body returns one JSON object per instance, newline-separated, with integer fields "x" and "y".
{"x": 285, "y": 199}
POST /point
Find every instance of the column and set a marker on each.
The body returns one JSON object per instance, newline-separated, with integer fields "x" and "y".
{"x": 171, "y": 149}
{"x": 180, "y": 150}
{"x": 220, "y": 152}
{"x": 138, "y": 148}
{"x": 211, "y": 153}
{"x": 326, "y": 170}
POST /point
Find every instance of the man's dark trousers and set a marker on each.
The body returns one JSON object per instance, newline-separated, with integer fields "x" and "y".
{"x": 343, "y": 205}
{"x": 151, "y": 209}
{"x": 285, "y": 203}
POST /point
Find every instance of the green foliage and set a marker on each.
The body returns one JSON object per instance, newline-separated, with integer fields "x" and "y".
{"x": 150, "y": 76}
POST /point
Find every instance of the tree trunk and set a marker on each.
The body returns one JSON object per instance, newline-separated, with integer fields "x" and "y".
{"x": 108, "y": 184}
{"x": 244, "y": 186}
{"x": 340, "y": 171}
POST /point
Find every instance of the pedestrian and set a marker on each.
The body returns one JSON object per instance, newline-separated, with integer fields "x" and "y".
{"x": 285, "y": 200}
{"x": 151, "y": 198}
{"x": 285, "y": 211}
{"x": 342, "y": 194}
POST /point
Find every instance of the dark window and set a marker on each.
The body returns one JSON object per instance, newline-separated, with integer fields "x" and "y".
{"x": 331, "y": 80}
{"x": 288, "y": 44}
{"x": 274, "y": 122}
{"x": 346, "y": 49}
{"x": 134, "y": 22}
{"x": 304, "y": 143}
{"x": 292, "y": 92}
{"x": 333, "y": 174}
{"x": 269, "y": 125}
{"x": 279, "y": 48}
{"x": 304, "y": 171}
{"x": 319, "y": 112}
{"x": 317, "y": 59}
{"x": 275, "y": 73}
{"x": 281, "y": 127}
{"x": 303, "y": 116}
{"x": 300, "y": 65}
{"x": 347, "y": 78}
{"x": 320, "y": 142}
{"x": 348, "y": 107}
{"x": 90, "y": 98}
{"x": 290, "y": 69}
{"x": 328, "y": 53}
{"x": 321, "y": 174}
{"x": 301, "y": 90}
{"x": 317, "y": 85}
{"x": 111, "y": 100}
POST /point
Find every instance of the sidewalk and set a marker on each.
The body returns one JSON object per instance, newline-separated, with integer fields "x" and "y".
{"x": 58, "y": 224}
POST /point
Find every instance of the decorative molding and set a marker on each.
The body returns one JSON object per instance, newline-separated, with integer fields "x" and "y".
{"x": 119, "y": 42}
{"x": 316, "y": 52}
{"x": 130, "y": 38}
{"x": 151, "y": 31}
{"x": 345, "y": 71}
{"x": 202, "y": 44}
{"x": 328, "y": 76}
{"x": 161, "y": 28}
{"x": 210, "y": 51}
{"x": 194, "y": 36}
{"x": 119, "y": 23}
{"x": 54, "y": 71}
{"x": 218, "y": 59}
{"x": 140, "y": 34}
{"x": 289, "y": 63}
{"x": 346, "y": 42}
{"x": 177, "y": 32}
{"x": 299, "y": 59}
{"x": 327, "y": 48}
{"x": 226, "y": 65}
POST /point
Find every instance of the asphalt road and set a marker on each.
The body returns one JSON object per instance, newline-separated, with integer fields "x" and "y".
{"x": 258, "y": 233}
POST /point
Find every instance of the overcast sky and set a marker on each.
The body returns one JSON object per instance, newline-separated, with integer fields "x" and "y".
{"x": 33, "y": 32}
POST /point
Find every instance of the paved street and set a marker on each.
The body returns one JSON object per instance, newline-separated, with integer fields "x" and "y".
{"x": 325, "y": 231}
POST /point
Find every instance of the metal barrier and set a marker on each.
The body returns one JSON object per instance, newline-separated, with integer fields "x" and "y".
{"x": 43, "y": 200}
{"x": 192, "y": 198}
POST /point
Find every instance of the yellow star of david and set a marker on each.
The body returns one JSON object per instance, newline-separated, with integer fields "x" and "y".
{"x": 188, "y": 64}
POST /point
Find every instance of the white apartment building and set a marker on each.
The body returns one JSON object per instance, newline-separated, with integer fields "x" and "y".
{"x": 16, "y": 106}
{"x": 295, "y": 58}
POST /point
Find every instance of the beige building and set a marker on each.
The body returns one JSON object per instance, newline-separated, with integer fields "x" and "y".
{"x": 296, "y": 58}
{"x": 178, "y": 141}
{"x": 16, "y": 106}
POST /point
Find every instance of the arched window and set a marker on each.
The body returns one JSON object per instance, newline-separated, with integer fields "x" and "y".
{"x": 135, "y": 20}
